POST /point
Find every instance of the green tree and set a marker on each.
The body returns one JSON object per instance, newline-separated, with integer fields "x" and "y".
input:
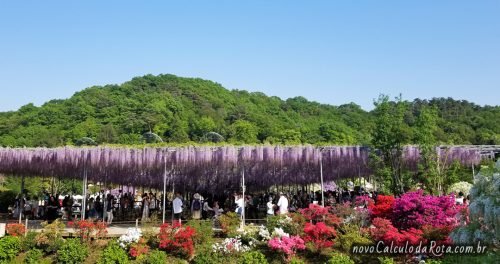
{"x": 336, "y": 133}
{"x": 290, "y": 137}
{"x": 107, "y": 134}
{"x": 243, "y": 131}
{"x": 391, "y": 133}
{"x": 430, "y": 168}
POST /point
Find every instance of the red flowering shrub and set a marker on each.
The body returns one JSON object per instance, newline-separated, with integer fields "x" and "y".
{"x": 319, "y": 236}
{"x": 15, "y": 229}
{"x": 177, "y": 239}
{"x": 440, "y": 234}
{"x": 384, "y": 231}
{"x": 414, "y": 210}
{"x": 317, "y": 213}
{"x": 86, "y": 229}
{"x": 382, "y": 207}
{"x": 138, "y": 249}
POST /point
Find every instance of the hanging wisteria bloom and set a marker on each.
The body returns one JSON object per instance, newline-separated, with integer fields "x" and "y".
{"x": 132, "y": 236}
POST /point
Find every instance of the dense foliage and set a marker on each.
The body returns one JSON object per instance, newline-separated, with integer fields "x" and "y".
{"x": 73, "y": 251}
{"x": 113, "y": 254}
{"x": 9, "y": 247}
{"x": 188, "y": 109}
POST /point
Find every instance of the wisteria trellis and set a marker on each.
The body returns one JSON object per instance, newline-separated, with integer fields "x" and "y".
{"x": 205, "y": 167}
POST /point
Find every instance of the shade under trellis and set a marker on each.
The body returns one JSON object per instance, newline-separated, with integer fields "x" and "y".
{"x": 207, "y": 168}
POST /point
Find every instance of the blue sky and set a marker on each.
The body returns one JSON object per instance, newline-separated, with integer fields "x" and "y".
{"x": 329, "y": 51}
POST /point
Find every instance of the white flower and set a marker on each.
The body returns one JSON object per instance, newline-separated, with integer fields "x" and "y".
{"x": 132, "y": 236}
{"x": 278, "y": 232}
{"x": 264, "y": 233}
{"x": 230, "y": 245}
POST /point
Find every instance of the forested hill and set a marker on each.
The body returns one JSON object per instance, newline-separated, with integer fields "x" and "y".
{"x": 186, "y": 109}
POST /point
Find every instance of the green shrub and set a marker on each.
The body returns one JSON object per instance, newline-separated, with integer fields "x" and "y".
{"x": 296, "y": 260}
{"x": 386, "y": 260}
{"x": 113, "y": 254}
{"x": 348, "y": 235}
{"x": 50, "y": 239}
{"x": 253, "y": 257}
{"x": 339, "y": 258}
{"x": 203, "y": 238}
{"x": 33, "y": 256}
{"x": 229, "y": 222}
{"x": 208, "y": 258}
{"x": 29, "y": 241}
{"x": 490, "y": 257}
{"x": 9, "y": 247}
{"x": 156, "y": 257}
{"x": 433, "y": 261}
{"x": 72, "y": 252}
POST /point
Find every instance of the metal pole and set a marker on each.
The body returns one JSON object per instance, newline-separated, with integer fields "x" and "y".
{"x": 104, "y": 198}
{"x": 164, "y": 187}
{"x": 84, "y": 200}
{"x": 21, "y": 200}
{"x": 173, "y": 192}
{"x": 243, "y": 187}
{"x": 321, "y": 176}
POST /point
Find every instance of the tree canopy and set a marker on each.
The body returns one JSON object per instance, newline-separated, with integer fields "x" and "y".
{"x": 187, "y": 109}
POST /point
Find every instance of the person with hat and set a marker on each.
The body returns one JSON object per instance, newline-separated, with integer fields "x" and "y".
{"x": 196, "y": 206}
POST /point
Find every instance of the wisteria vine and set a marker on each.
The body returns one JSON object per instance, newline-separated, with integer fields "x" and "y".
{"x": 207, "y": 168}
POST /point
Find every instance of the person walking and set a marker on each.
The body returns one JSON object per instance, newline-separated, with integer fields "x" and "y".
{"x": 177, "y": 207}
{"x": 283, "y": 204}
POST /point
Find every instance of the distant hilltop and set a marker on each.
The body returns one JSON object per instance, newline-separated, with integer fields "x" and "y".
{"x": 179, "y": 110}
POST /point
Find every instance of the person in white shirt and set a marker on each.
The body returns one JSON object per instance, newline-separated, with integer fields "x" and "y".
{"x": 460, "y": 198}
{"x": 240, "y": 203}
{"x": 283, "y": 204}
{"x": 270, "y": 207}
{"x": 177, "y": 206}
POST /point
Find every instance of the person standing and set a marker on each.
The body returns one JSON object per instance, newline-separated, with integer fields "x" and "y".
{"x": 216, "y": 209}
{"x": 283, "y": 204}
{"x": 207, "y": 210}
{"x": 109, "y": 208}
{"x": 145, "y": 207}
{"x": 270, "y": 207}
{"x": 196, "y": 206}
{"x": 240, "y": 203}
{"x": 177, "y": 207}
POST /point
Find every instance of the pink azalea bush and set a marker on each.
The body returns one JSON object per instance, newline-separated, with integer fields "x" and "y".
{"x": 287, "y": 245}
{"x": 416, "y": 210}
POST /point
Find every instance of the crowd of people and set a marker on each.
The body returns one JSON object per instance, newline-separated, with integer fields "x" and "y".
{"x": 126, "y": 206}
